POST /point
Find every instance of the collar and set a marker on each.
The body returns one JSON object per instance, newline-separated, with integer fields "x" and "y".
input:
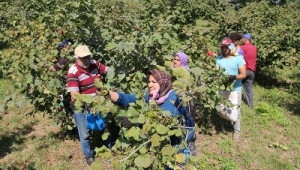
{"x": 80, "y": 69}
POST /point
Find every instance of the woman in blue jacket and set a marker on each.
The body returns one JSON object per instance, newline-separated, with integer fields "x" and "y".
{"x": 160, "y": 89}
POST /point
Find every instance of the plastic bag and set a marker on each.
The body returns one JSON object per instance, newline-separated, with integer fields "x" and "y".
{"x": 230, "y": 113}
{"x": 95, "y": 122}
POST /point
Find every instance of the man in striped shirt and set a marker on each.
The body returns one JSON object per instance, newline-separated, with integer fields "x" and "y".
{"x": 80, "y": 80}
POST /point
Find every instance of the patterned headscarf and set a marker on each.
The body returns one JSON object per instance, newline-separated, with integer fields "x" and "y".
{"x": 164, "y": 81}
{"x": 183, "y": 60}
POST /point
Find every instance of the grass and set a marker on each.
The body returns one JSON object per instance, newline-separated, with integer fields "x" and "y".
{"x": 268, "y": 144}
{"x": 34, "y": 142}
{"x": 269, "y": 137}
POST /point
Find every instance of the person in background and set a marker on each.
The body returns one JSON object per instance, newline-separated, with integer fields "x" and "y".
{"x": 64, "y": 98}
{"x": 181, "y": 69}
{"x": 65, "y": 45}
{"x": 250, "y": 54}
{"x": 236, "y": 38}
{"x": 160, "y": 90}
{"x": 80, "y": 80}
{"x": 235, "y": 69}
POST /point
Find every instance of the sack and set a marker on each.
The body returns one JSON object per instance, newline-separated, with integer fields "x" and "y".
{"x": 95, "y": 122}
{"x": 230, "y": 113}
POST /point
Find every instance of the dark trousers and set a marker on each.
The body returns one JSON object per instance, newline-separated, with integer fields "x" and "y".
{"x": 191, "y": 110}
{"x": 247, "y": 84}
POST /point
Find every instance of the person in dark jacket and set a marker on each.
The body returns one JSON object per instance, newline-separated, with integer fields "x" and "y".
{"x": 65, "y": 45}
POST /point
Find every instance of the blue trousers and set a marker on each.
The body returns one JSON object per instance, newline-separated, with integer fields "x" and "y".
{"x": 84, "y": 134}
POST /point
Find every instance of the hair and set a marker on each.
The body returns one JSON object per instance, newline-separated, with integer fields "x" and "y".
{"x": 235, "y": 36}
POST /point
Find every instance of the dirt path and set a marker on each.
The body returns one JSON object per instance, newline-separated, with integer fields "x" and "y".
{"x": 36, "y": 142}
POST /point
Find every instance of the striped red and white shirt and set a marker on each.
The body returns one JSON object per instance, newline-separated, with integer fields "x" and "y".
{"x": 82, "y": 81}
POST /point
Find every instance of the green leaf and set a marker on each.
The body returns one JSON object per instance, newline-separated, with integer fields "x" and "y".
{"x": 98, "y": 83}
{"x": 102, "y": 149}
{"x": 146, "y": 127}
{"x": 70, "y": 127}
{"x": 110, "y": 73}
{"x": 88, "y": 98}
{"x": 96, "y": 165}
{"x": 178, "y": 132}
{"x": 114, "y": 109}
{"x": 118, "y": 165}
{"x": 167, "y": 36}
{"x": 161, "y": 129}
{"x": 78, "y": 104}
{"x": 171, "y": 132}
{"x": 100, "y": 100}
{"x": 122, "y": 113}
{"x": 180, "y": 158}
{"x": 142, "y": 135}
{"x": 143, "y": 160}
{"x": 141, "y": 119}
{"x": 166, "y": 113}
{"x": 132, "y": 112}
{"x": 157, "y": 36}
{"x": 134, "y": 132}
{"x": 121, "y": 76}
{"x": 133, "y": 168}
{"x": 105, "y": 135}
{"x": 143, "y": 150}
{"x": 222, "y": 87}
{"x": 46, "y": 91}
{"x": 285, "y": 148}
{"x": 196, "y": 71}
{"x": 167, "y": 150}
{"x": 155, "y": 140}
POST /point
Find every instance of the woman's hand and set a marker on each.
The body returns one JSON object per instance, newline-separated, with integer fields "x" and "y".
{"x": 114, "y": 96}
{"x": 211, "y": 53}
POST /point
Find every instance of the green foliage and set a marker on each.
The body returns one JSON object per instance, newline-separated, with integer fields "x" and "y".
{"x": 267, "y": 113}
{"x": 277, "y": 145}
{"x": 274, "y": 30}
{"x": 132, "y": 38}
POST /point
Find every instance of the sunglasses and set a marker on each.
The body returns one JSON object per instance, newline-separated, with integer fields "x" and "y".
{"x": 176, "y": 59}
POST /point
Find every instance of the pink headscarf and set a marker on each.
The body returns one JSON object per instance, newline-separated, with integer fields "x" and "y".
{"x": 166, "y": 87}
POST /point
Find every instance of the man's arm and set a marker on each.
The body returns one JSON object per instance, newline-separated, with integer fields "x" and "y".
{"x": 72, "y": 85}
{"x": 73, "y": 95}
{"x": 57, "y": 66}
{"x": 103, "y": 69}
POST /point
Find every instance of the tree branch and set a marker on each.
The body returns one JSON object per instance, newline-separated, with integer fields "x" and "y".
{"x": 124, "y": 159}
{"x": 184, "y": 127}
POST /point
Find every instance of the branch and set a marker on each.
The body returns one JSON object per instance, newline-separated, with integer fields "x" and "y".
{"x": 124, "y": 159}
{"x": 189, "y": 46}
{"x": 184, "y": 127}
